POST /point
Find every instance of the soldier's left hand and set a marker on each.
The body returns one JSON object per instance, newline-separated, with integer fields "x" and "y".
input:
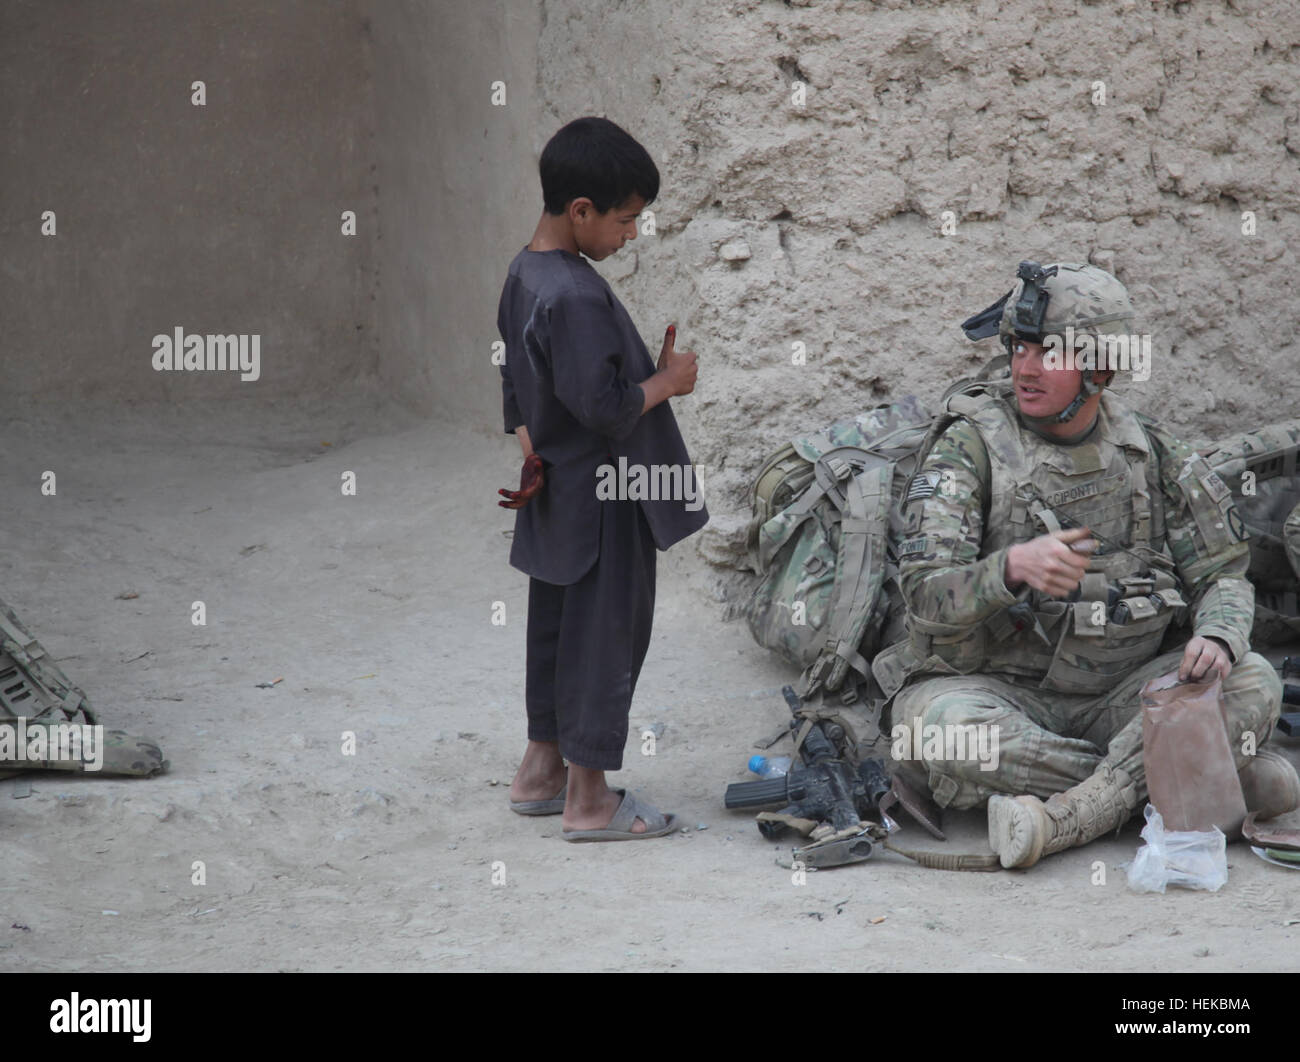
{"x": 1200, "y": 655}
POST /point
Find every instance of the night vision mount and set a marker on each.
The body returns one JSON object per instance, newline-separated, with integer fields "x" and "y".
{"x": 1027, "y": 315}
{"x": 1031, "y": 308}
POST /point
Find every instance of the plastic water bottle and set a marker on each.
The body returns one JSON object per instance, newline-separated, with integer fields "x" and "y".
{"x": 774, "y": 767}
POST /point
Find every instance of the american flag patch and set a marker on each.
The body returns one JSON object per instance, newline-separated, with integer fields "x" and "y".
{"x": 923, "y": 486}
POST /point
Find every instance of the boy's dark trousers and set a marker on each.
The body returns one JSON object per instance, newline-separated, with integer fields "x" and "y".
{"x": 587, "y": 641}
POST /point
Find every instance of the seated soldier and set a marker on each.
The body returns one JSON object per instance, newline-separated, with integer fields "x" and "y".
{"x": 1053, "y": 533}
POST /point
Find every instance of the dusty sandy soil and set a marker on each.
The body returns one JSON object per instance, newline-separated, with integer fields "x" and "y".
{"x": 376, "y": 612}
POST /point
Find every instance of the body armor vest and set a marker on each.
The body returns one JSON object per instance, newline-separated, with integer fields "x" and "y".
{"x": 1130, "y": 594}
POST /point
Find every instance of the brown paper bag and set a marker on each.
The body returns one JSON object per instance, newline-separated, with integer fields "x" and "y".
{"x": 1191, "y": 777}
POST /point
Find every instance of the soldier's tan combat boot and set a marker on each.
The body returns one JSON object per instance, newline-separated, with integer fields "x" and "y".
{"x": 1270, "y": 784}
{"x": 1023, "y": 829}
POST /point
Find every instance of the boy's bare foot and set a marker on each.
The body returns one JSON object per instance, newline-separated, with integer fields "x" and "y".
{"x": 541, "y": 773}
{"x": 595, "y": 816}
{"x": 591, "y": 804}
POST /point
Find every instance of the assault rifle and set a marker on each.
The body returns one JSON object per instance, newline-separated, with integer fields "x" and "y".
{"x": 829, "y": 798}
{"x": 1289, "y": 723}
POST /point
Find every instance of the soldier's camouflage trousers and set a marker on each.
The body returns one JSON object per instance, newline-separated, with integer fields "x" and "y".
{"x": 1042, "y": 743}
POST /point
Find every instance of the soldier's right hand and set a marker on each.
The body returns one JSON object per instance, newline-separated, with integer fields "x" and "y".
{"x": 1053, "y": 564}
{"x": 680, "y": 369}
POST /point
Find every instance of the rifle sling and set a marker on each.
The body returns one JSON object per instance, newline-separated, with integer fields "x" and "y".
{"x": 947, "y": 860}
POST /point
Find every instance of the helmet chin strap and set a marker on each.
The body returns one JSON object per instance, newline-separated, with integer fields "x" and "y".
{"x": 1087, "y": 388}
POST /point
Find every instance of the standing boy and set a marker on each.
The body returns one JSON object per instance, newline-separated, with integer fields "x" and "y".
{"x": 584, "y": 398}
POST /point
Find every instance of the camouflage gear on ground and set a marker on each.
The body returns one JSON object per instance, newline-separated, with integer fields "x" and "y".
{"x": 786, "y": 474}
{"x": 118, "y": 751}
{"x": 33, "y": 688}
{"x": 1048, "y": 742}
{"x": 825, "y": 510}
{"x": 1172, "y": 542}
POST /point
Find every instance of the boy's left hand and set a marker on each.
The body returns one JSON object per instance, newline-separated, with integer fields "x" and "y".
{"x": 530, "y": 482}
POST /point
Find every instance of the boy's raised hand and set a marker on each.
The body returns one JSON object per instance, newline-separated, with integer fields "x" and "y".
{"x": 680, "y": 368}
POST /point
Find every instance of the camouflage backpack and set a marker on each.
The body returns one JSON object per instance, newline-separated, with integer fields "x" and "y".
{"x": 1260, "y": 469}
{"x": 826, "y": 515}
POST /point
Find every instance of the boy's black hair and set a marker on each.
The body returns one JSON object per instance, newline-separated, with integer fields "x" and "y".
{"x": 595, "y": 159}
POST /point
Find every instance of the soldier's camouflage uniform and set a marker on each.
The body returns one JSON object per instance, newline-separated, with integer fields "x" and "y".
{"x": 1060, "y": 679}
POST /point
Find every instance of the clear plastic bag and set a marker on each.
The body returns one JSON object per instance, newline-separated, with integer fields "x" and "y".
{"x": 1192, "y": 859}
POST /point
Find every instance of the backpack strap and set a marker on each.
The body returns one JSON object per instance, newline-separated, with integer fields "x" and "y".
{"x": 859, "y": 578}
{"x": 963, "y": 400}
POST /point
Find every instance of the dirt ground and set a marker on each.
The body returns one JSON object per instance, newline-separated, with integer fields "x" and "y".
{"x": 376, "y": 612}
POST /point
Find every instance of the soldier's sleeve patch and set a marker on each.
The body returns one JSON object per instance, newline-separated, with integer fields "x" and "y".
{"x": 1212, "y": 506}
{"x": 1236, "y": 524}
{"x": 913, "y": 546}
{"x": 923, "y": 486}
{"x": 1214, "y": 486}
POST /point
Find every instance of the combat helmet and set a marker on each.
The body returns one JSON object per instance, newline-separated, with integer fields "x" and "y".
{"x": 1061, "y": 299}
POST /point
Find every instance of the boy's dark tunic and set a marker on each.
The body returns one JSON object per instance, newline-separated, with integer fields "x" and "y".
{"x": 572, "y": 373}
